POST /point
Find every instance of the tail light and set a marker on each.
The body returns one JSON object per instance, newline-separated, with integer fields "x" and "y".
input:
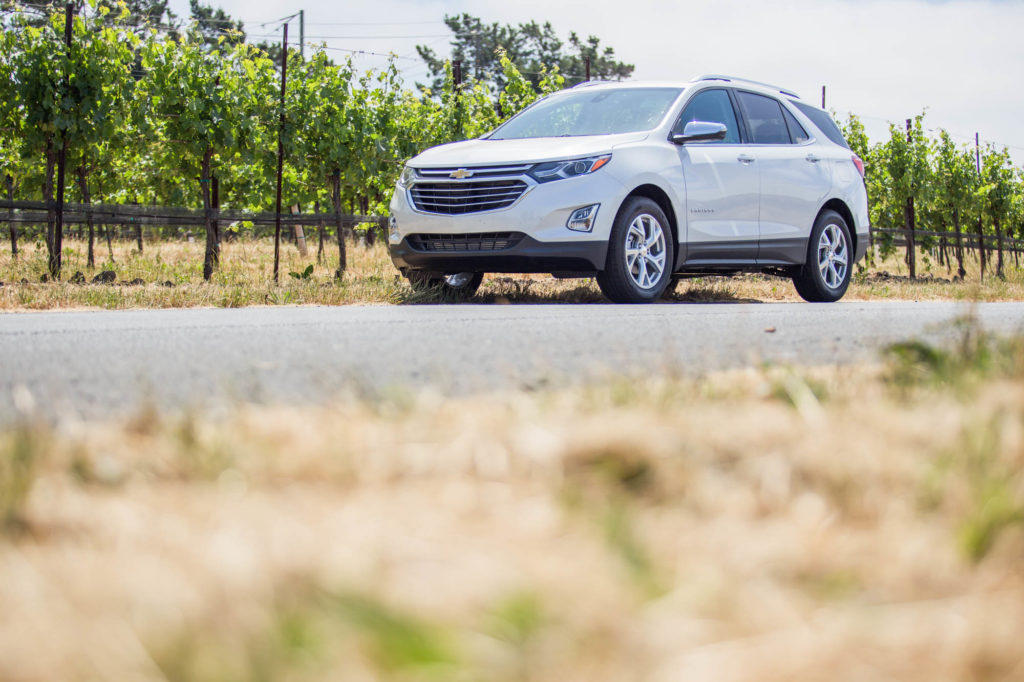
{"x": 859, "y": 164}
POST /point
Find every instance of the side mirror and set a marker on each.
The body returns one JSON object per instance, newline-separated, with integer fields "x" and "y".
{"x": 700, "y": 131}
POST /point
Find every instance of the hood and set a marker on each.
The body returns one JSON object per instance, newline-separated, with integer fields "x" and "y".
{"x": 534, "y": 150}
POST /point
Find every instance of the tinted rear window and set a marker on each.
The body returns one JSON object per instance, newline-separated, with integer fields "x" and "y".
{"x": 824, "y": 122}
{"x": 796, "y": 131}
{"x": 764, "y": 116}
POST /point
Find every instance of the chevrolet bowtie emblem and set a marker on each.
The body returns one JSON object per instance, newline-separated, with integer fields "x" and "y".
{"x": 461, "y": 174}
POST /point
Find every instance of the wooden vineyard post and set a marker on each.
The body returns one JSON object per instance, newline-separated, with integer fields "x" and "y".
{"x": 9, "y": 182}
{"x": 300, "y": 236}
{"x": 215, "y": 202}
{"x": 336, "y": 201}
{"x": 320, "y": 233}
{"x": 83, "y": 186}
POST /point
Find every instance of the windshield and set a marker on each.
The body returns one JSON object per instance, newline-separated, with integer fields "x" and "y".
{"x": 591, "y": 112}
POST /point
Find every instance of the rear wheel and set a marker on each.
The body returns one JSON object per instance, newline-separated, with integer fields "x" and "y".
{"x": 460, "y": 285}
{"x": 640, "y": 254}
{"x": 825, "y": 276}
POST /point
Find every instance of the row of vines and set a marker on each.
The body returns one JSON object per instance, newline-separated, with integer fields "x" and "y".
{"x": 930, "y": 183}
{"x": 145, "y": 117}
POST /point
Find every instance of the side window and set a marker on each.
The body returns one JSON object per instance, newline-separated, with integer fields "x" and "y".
{"x": 796, "y": 131}
{"x": 821, "y": 118}
{"x": 764, "y": 116}
{"x": 711, "y": 106}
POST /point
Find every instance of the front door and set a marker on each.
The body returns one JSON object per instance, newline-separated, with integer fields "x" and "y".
{"x": 721, "y": 187}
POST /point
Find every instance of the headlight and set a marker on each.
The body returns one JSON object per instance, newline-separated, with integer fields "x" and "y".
{"x": 407, "y": 176}
{"x": 559, "y": 170}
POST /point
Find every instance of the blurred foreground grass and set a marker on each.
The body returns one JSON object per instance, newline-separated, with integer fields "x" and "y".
{"x": 771, "y": 524}
{"x": 169, "y": 275}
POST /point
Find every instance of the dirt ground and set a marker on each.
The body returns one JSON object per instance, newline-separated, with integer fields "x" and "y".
{"x": 169, "y": 274}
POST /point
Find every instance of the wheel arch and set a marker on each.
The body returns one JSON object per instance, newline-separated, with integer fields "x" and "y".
{"x": 662, "y": 199}
{"x": 840, "y": 207}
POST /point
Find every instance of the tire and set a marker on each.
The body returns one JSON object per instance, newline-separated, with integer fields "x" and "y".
{"x": 825, "y": 275}
{"x": 460, "y": 286}
{"x": 640, "y": 243}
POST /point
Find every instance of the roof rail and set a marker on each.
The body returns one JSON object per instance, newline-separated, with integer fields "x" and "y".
{"x": 718, "y": 77}
{"x": 587, "y": 84}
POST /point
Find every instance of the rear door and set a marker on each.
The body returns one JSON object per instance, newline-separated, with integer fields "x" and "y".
{"x": 721, "y": 186}
{"x": 794, "y": 179}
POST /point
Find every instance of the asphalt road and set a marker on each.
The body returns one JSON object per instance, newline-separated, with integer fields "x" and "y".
{"x": 94, "y": 364}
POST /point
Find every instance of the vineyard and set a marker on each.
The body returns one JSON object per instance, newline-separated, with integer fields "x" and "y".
{"x": 170, "y": 125}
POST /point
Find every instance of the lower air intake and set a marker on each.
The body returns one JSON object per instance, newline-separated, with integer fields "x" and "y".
{"x": 455, "y": 243}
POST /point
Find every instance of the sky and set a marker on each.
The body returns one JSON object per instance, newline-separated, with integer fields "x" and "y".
{"x": 886, "y": 60}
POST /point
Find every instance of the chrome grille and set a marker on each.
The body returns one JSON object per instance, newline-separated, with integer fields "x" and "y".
{"x": 475, "y": 171}
{"x": 450, "y": 243}
{"x": 467, "y": 196}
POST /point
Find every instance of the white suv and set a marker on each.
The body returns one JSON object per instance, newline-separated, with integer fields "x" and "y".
{"x": 640, "y": 185}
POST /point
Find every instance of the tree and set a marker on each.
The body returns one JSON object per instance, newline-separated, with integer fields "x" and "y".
{"x": 603, "y": 65}
{"x": 216, "y": 26}
{"x": 137, "y": 15}
{"x": 11, "y": 133}
{"x": 955, "y": 181}
{"x": 997, "y": 195}
{"x": 527, "y": 46}
{"x": 908, "y": 170}
{"x": 208, "y": 107}
{"x": 69, "y": 98}
{"x": 37, "y": 68}
{"x": 104, "y": 62}
{"x": 320, "y": 98}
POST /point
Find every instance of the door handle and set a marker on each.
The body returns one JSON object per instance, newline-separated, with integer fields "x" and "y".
{"x": 744, "y": 158}
{"x": 813, "y": 159}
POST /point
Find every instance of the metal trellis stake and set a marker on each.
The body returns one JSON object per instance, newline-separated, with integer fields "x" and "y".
{"x": 280, "y": 156}
{"x": 909, "y": 215}
{"x": 58, "y": 232}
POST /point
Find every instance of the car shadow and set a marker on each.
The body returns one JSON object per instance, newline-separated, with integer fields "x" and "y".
{"x": 525, "y": 291}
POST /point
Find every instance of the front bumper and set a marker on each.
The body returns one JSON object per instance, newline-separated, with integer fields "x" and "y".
{"x": 528, "y": 255}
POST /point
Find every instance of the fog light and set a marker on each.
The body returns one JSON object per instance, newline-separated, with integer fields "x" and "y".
{"x": 582, "y": 219}
{"x": 393, "y": 234}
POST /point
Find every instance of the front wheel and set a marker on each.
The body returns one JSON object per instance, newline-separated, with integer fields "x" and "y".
{"x": 825, "y": 276}
{"x": 460, "y": 285}
{"x": 640, "y": 254}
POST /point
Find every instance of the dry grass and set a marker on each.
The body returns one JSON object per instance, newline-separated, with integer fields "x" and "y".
{"x": 169, "y": 274}
{"x": 854, "y": 524}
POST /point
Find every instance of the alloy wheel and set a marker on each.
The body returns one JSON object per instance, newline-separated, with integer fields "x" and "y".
{"x": 645, "y": 251}
{"x": 833, "y": 256}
